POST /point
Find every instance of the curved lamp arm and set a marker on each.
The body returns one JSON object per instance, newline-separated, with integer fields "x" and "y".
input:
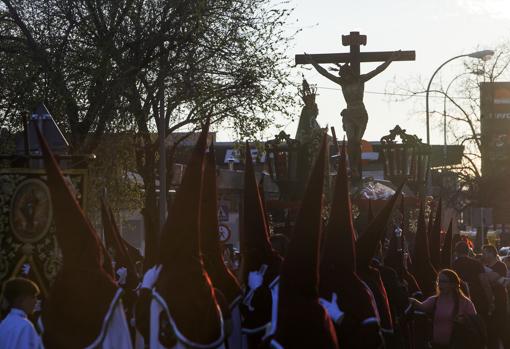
{"x": 485, "y": 54}
{"x": 428, "y": 91}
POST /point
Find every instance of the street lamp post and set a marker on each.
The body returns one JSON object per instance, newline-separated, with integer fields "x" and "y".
{"x": 485, "y": 54}
{"x": 446, "y": 97}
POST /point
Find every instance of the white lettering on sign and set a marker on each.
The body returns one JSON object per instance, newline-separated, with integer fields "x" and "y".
{"x": 501, "y": 101}
{"x": 502, "y": 116}
{"x": 498, "y": 116}
{"x": 234, "y": 155}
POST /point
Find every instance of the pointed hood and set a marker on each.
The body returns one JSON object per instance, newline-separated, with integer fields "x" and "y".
{"x": 256, "y": 249}
{"x": 435, "y": 238}
{"x": 107, "y": 264}
{"x": 133, "y": 253}
{"x": 367, "y": 243}
{"x": 255, "y": 245}
{"x": 339, "y": 251}
{"x": 366, "y": 247}
{"x": 115, "y": 243}
{"x": 446, "y": 252}
{"x": 83, "y": 247}
{"x": 183, "y": 282}
{"x": 302, "y": 321}
{"x": 338, "y": 260}
{"x": 423, "y": 270}
{"x": 221, "y": 277}
{"x": 82, "y": 292}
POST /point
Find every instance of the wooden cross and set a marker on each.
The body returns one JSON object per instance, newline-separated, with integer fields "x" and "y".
{"x": 354, "y": 40}
{"x": 354, "y": 117}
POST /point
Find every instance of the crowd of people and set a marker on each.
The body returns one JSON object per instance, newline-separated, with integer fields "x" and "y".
{"x": 327, "y": 286}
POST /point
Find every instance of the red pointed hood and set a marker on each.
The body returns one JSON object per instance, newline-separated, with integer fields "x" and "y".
{"x": 338, "y": 261}
{"x": 115, "y": 243}
{"x": 82, "y": 292}
{"x": 221, "y": 277}
{"x": 183, "y": 282}
{"x": 107, "y": 262}
{"x": 339, "y": 249}
{"x": 366, "y": 247}
{"x": 302, "y": 321}
{"x": 83, "y": 247}
{"x": 423, "y": 270}
{"x": 133, "y": 253}
{"x": 367, "y": 243}
{"x": 446, "y": 252}
{"x": 255, "y": 245}
{"x": 435, "y": 238}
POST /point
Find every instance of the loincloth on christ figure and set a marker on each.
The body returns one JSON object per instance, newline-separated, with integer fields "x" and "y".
{"x": 354, "y": 121}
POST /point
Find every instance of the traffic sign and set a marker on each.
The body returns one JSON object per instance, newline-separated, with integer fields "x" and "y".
{"x": 224, "y": 232}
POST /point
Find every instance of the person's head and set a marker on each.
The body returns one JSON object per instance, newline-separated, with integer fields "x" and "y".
{"x": 21, "y": 293}
{"x": 489, "y": 254}
{"x": 461, "y": 249}
{"x": 448, "y": 282}
{"x": 346, "y": 71}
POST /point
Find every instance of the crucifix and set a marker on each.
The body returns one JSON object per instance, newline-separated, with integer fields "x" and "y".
{"x": 352, "y": 82}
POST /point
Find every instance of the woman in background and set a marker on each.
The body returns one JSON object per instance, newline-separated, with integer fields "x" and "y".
{"x": 448, "y": 302}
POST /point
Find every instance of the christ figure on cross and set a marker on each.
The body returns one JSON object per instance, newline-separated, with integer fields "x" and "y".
{"x": 354, "y": 117}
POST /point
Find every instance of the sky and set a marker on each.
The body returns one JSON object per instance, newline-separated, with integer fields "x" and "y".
{"x": 436, "y": 29}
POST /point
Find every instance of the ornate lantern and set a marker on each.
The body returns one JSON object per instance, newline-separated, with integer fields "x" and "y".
{"x": 407, "y": 160}
{"x": 282, "y": 159}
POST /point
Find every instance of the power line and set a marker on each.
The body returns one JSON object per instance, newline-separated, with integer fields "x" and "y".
{"x": 393, "y": 94}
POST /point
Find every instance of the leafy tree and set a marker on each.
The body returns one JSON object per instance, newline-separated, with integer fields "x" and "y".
{"x": 110, "y": 66}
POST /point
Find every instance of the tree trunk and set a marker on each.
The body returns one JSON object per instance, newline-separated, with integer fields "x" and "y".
{"x": 150, "y": 210}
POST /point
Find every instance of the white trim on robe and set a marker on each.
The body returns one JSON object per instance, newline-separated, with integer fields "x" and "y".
{"x": 158, "y": 304}
{"x": 115, "y": 330}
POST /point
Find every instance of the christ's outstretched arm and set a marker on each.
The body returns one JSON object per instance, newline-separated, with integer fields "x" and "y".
{"x": 379, "y": 69}
{"x": 323, "y": 71}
